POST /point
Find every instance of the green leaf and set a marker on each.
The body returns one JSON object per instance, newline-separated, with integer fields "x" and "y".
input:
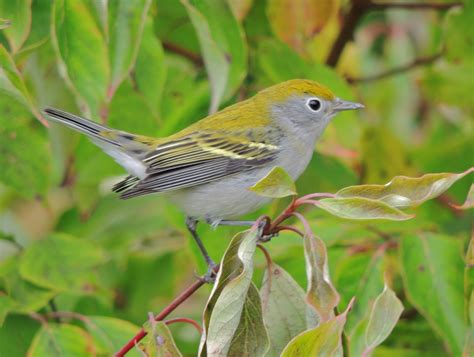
{"x": 284, "y": 308}
{"x": 16, "y": 335}
{"x": 61, "y": 340}
{"x": 233, "y": 319}
{"x": 12, "y": 84}
{"x": 150, "y": 69}
{"x": 169, "y": 14}
{"x": 61, "y": 262}
{"x": 360, "y": 276}
{"x": 110, "y": 334}
{"x": 405, "y": 191}
{"x": 126, "y": 21}
{"x": 432, "y": 271}
{"x": 159, "y": 342}
{"x": 222, "y": 44}
{"x": 27, "y": 296}
{"x": 19, "y": 14}
{"x": 276, "y": 184}
{"x": 185, "y": 97}
{"x": 40, "y": 24}
{"x": 384, "y": 315}
{"x": 378, "y": 142}
{"x": 93, "y": 165}
{"x": 24, "y": 156}
{"x": 251, "y": 337}
{"x": 324, "y": 340}
{"x": 458, "y": 33}
{"x": 361, "y": 208}
{"x": 123, "y": 115}
{"x": 6, "y": 305}
{"x": 320, "y": 294}
{"x": 469, "y": 343}
{"x": 82, "y": 51}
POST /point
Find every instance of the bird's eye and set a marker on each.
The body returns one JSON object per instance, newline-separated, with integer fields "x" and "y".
{"x": 314, "y": 104}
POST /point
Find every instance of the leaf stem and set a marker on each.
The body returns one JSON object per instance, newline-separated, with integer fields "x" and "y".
{"x": 289, "y": 228}
{"x": 186, "y": 320}
{"x": 268, "y": 258}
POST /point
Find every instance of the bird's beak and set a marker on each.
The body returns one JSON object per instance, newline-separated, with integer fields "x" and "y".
{"x": 341, "y": 105}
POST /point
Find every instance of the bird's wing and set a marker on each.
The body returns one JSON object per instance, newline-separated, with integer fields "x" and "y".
{"x": 198, "y": 158}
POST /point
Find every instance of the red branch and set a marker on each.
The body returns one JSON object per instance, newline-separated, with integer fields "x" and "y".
{"x": 165, "y": 312}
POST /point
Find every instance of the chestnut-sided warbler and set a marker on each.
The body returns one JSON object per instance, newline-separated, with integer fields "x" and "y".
{"x": 207, "y": 168}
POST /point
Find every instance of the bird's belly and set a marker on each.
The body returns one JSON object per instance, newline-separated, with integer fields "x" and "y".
{"x": 228, "y": 198}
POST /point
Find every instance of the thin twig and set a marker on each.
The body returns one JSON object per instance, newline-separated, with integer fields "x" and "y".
{"x": 193, "y": 57}
{"x": 414, "y": 5}
{"x": 397, "y": 70}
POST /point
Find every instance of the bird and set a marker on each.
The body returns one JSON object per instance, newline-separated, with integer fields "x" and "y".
{"x": 207, "y": 168}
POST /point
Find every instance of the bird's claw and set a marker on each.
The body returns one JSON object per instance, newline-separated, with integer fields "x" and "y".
{"x": 267, "y": 237}
{"x": 210, "y": 276}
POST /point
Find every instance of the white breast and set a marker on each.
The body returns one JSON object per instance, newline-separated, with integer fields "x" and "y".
{"x": 230, "y": 198}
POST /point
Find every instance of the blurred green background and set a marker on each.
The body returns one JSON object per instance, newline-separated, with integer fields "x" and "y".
{"x": 154, "y": 67}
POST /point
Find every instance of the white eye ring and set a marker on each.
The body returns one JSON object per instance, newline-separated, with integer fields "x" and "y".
{"x": 314, "y": 104}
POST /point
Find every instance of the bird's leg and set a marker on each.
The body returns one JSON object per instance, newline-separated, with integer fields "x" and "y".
{"x": 264, "y": 238}
{"x": 236, "y": 223}
{"x": 191, "y": 224}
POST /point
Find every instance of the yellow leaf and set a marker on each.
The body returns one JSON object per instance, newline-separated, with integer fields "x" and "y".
{"x": 296, "y": 21}
{"x": 276, "y": 184}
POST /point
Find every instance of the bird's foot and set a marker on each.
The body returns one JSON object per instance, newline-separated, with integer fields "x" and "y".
{"x": 267, "y": 237}
{"x": 211, "y": 274}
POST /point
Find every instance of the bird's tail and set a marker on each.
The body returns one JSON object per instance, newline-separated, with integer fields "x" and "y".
{"x": 125, "y": 148}
{"x": 85, "y": 126}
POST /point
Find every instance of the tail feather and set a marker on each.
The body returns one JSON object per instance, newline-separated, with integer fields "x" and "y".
{"x": 121, "y": 146}
{"x": 85, "y": 126}
{"x": 129, "y": 182}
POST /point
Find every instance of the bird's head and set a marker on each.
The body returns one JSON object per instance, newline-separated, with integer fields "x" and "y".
{"x": 303, "y": 104}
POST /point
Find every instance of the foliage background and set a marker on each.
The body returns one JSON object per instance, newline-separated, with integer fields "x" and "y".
{"x": 153, "y": 67}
